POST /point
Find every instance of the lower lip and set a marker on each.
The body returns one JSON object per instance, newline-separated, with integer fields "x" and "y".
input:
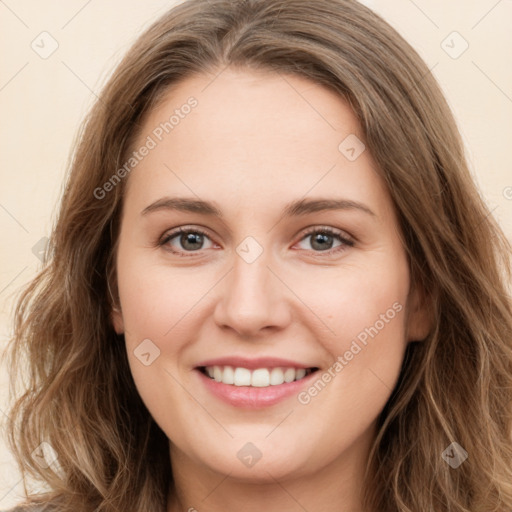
{"x": 253, "y": 397}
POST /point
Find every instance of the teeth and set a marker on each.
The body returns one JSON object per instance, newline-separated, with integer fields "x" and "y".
{"x": 242, "y": 376}
{"x": 260, "y": 378}
{"x": 300, "y": 373}
{"x": 276, "y": 376}
{"x": 228, "y": 375}
{"x": 289, "y": 375}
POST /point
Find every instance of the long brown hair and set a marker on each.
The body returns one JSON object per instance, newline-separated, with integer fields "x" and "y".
{"x": 455, "y": 386}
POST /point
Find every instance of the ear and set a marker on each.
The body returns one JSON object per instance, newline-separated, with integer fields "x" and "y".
{"x": 116, "y": 317}
{"x": 420, "y": 318}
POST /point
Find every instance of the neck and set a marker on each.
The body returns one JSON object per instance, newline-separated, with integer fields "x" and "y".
{"x": 336, "y": 487}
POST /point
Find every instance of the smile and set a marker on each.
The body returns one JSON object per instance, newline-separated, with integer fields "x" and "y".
{"x": 259, "y": 378}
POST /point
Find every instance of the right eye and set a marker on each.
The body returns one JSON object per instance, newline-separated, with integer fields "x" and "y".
{"x": 185, "y": 240}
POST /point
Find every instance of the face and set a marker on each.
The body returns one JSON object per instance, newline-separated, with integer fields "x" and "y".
{"x": 259, "y": 246}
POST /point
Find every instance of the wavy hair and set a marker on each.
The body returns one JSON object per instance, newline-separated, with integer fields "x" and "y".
{"x": 454, "y": 386}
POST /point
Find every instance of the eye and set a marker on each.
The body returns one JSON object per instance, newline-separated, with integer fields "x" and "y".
{"x": 183, "y": 240}
{"x": 322, "y": 240}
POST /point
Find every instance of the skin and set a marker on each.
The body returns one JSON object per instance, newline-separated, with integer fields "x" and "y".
{"x": 255, "y": 142}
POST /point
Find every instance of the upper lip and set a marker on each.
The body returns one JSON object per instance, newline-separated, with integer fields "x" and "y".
{"x": 254, "y": 363}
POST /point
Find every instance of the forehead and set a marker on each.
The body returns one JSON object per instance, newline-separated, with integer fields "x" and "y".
{"x": 247, "y": 101}
{"x": 250, "y": 135}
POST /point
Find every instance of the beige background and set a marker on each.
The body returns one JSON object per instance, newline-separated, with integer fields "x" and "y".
{"x": 43, "y": 100}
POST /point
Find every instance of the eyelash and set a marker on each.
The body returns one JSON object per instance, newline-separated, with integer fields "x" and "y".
{"x": 346, "y": 242}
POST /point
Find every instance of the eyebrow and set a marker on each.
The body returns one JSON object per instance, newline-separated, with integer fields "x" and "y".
{"x": 292, "y": 209}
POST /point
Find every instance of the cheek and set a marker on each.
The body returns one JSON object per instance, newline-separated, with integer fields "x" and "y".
{"x": 366, "y": 353}
{"x": 365, "y": 311}
{"x": 355, "y": 299}
{"x": 156, "y": 299}
{"x": 157, "y": 306}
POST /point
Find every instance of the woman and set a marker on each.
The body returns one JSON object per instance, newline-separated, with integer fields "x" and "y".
{"x": 338, "y": 339}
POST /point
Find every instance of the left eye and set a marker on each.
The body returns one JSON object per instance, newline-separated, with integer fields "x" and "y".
{"x": 192, "y": 240}
{"x": 322, "y": 240}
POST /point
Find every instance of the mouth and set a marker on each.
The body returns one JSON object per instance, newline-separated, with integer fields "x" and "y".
{"x": 256, "y": 378}
{"x": 257, "y": 387}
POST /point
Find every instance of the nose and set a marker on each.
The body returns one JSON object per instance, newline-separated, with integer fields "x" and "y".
{"x": 252, "y": 299}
